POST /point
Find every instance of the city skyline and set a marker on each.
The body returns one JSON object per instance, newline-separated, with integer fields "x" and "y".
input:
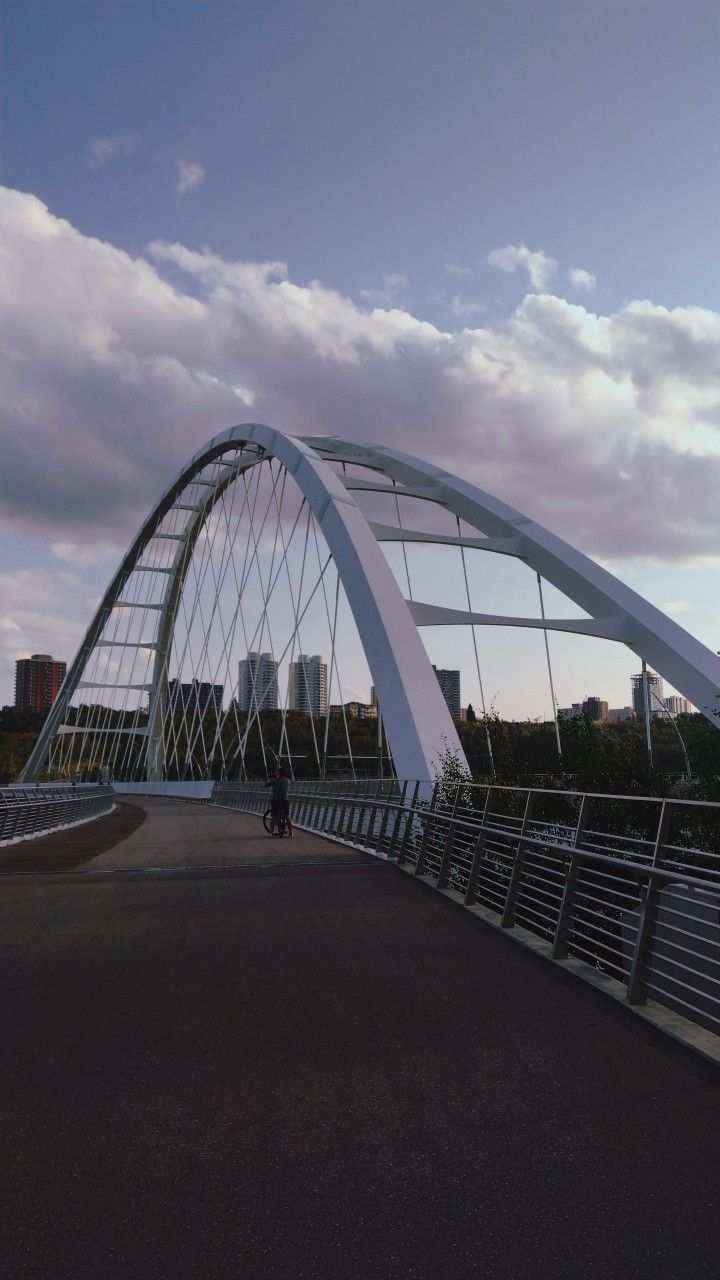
{"x": 545, "y": 329}
{"x": 38, "y": 679}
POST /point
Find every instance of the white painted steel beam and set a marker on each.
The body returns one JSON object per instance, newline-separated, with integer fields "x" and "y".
{"x": 687, "y": 665}
{"x": 435, "y": 615}
{"x": 417, "y": 721}
{"x": 392, "y": 533}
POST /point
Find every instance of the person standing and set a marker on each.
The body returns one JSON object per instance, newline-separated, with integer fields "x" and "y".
{"x": 279, "y": 803}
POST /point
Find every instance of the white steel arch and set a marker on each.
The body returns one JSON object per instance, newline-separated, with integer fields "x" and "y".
{"x": 616, "y": 611}
{"x": 418, "y": 725}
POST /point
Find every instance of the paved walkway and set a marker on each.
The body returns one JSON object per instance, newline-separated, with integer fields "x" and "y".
{"x": 297, "y": 1062}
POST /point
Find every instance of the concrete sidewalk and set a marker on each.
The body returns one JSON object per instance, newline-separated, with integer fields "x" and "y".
{"x": 322, "y": 1068}
{"x": 149, "y": 832}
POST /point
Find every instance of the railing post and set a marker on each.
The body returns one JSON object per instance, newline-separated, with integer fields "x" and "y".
{"x": 447, "y": 847}
{"x": 383, "y": 825}
{"x": 314, "y": 807}
{"x": 426, "y": 833}
{"x": 560, "y": 943}
{"x": 636, "y": 989}
{"x": 507, "y": 920}
{"x": 409, "y": 816}
{"x": 325, "y": 812}
{"x": 478, "y": 851}
{"x": 343, "y": 818}
{"x": 401, "y": 805}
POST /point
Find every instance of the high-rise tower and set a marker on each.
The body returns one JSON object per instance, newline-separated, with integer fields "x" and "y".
{"x": 37, "y": 682}
{"x": 307, "y": 690}
{"x": 258, "y": 683}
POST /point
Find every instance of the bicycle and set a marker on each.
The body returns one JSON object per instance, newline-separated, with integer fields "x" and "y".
{"x": 274, "y": 824}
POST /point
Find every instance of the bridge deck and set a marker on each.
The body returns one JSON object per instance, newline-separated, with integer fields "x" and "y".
{"x": 296, "y": 1062}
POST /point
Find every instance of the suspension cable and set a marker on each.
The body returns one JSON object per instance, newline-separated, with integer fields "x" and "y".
{"x": 550, "y": 675}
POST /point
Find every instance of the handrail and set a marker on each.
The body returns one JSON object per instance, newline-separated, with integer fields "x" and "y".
{"x": 39, "y": 810}
{"x": 604, "y": 907}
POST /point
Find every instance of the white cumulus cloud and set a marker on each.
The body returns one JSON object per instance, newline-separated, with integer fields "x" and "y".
{"x": 191, "y": 175}
{"x": 115, "y": 368}
{"x": 393, "y": 286}
{"x": 465, "y": 309}
{"x": 103, "y": 149}
{"x": 581, "y": 278}
{"x": 539, "y": 265}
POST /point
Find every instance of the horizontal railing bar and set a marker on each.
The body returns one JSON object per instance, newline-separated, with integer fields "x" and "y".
{"x": 683, "y": 915}
{"x": 690, "y": 951}
{"x": 703, "y": 1013}
{"x": 656, "y": 972}
{"x": 611, "y": 898}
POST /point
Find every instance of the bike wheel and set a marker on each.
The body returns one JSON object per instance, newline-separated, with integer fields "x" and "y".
{"x": 268, "y": 821}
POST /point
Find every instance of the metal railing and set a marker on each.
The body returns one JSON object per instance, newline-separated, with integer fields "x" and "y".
{"x": 352, "y": 811}
{"x": 629, "y": 885}
{"x": 32, "y": 811}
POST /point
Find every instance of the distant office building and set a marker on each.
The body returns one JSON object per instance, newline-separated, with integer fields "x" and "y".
{"x": 654, "y": 693}
{"x": 571, "y": 713}
{"x": 676, "y": 706}
{"x": 37, "y": 682}
{"x": 196, "y": 696}
{"x": 307, "y": 686}
{"x": 620, "y": 713}
{"x": 595, "y": 708}
{"x": 258, "y": 683}
{"x": 449, "y": 682}
{"x": 373, "y": 696}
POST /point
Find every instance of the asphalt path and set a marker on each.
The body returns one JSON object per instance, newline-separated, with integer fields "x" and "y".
{"x": 227, "y": 1056}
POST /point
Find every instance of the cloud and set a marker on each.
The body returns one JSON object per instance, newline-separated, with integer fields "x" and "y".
{"x": 37, "y": 604}
{"x": 676, "y": 606}
{"x": 538, "y": 264}
{"x": 191, "y": 175}
{"x": 114, "y": 369}
{"x": 462, "y": 309}
{"x": 581, "y": 278}
{"x": 104, "y": 149}
{"x": 394, "y": 284}
{"x": 454, "y": 269}
{"x": 79, "y": 554}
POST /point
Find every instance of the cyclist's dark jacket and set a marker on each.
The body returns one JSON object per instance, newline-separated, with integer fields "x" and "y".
{"x": 279, "y": 794}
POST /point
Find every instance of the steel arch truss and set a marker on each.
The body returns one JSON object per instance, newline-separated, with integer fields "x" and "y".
{"x": 616, "y": 612}
{"x": 417, "y": 722}
{"x": 419, "y": 728}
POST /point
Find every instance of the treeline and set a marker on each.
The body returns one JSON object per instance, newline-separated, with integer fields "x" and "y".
{"x": 187, "y": 752}
{"x": 18, "y": 733}
{"x": 598, "y": 756}
{"x": 594, "y": 756}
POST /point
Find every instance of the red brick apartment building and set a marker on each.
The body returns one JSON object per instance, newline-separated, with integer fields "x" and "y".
{"x": 37, "y": 682}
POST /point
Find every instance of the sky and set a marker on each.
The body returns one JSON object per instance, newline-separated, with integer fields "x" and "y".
{"x": 486, "y": 233}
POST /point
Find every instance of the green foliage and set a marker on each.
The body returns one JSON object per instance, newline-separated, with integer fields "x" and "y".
{"x": 595, "y": 757}
{"x": 610, "y": 757}
{"x": 452, "y": 779}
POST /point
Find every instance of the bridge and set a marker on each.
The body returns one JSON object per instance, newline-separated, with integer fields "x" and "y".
{"x": 261, "y": 542}
{"x": 367, "y": 1049}
{"x": 226, "y": 1055}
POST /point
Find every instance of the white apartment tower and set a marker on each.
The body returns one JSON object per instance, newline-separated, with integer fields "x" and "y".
{"x": 258, "y": 683}
{"x": 307, "y": 689}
